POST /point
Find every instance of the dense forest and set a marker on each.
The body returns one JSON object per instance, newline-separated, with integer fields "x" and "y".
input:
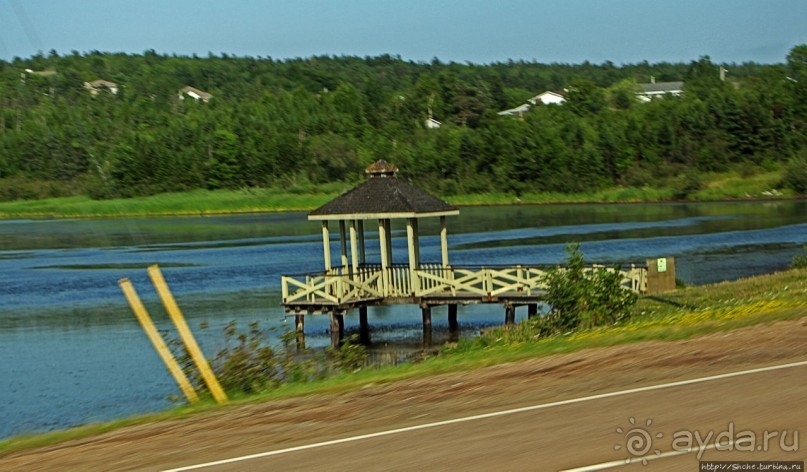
{"x": 308, "y": 121}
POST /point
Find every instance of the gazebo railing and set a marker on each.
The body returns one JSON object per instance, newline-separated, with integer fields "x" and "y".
{"x": 370, "y": 282}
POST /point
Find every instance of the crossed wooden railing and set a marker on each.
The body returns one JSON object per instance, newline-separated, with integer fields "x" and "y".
{"x": 371, "y": 282}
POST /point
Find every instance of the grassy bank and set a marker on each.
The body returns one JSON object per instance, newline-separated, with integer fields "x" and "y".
{"x": 196, "y": 202}
{"x": 682, "y": 314}
{"x": 724, "y": 186}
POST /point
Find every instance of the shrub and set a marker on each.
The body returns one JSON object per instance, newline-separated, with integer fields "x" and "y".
{"x": 795, "y": 177}
{"x": 19, "y": 188}
{"x": 248, "y": 364}
{"x": 639, "y": 175}
{"x": 800, "y": 260}
{"x": 350, "y": 356}
{"x": 582, "y": 298}
{"x": 685, "y": 185}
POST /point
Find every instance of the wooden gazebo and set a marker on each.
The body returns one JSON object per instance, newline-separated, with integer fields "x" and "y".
{"x": 353, "y": 282}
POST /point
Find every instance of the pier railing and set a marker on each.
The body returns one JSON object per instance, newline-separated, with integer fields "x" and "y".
{"x": 371, "y": 282}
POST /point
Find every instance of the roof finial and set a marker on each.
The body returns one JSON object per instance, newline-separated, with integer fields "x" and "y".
{"x": 381, "y": 168}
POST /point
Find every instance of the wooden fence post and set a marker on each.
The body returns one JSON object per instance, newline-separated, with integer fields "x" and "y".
{"x": 185, "y": 333}
{"x": 157, "y": 340}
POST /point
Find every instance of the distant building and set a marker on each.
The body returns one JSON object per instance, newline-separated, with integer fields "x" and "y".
{"x": 431, "y": 123}
{"x": 660, "y": 89}
{"x": 101, "y": 85}
{"x": 194, "y": 93}
{"x": 548, "y": 98}
{"x": 42, "y": 73}
{"x": 517, "y": 111}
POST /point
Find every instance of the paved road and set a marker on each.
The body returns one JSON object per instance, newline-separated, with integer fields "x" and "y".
{"x": 585, "y": 433}
{"x": 563, "y": 436}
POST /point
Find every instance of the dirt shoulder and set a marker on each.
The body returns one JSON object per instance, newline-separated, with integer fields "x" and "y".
{"x": 253, "y": 428}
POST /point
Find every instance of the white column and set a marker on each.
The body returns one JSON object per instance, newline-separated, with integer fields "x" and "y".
{"x": 326, "y": 245}
{"x": 343, "y": 243}
{"x": 444, "y": 240}
{"x": 411, "y": 240}
{"x": 362, "y": 253}
{"x": 382, "y": 241}
{"x": 416, "y": 226}
{"x": 354, "y": 253}
{"x": 388, "y": 227}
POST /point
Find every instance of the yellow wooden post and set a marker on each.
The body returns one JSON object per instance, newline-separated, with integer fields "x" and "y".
{"x": 186, "y": 334}
{"x": 156, "y": 340}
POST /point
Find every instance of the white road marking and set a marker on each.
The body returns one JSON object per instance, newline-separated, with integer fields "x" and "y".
{"x": 635, "y": 460}
{"x": 489, "y": 415}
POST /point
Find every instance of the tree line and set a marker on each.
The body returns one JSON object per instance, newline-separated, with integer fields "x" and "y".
{"x": 309, "y": 121}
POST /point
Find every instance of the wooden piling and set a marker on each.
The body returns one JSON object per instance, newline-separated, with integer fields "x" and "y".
{"x": 426, "y": 310}
{"x": 453, "y": 325}
{"x": 299, "y": 327}
{"x": 509, "y": 314}
{"x": 364, "y": 326}
{"x": 337, "y": 330}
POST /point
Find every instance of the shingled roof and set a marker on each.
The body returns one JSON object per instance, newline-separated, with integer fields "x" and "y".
{"x": 382, "y": 195}
{"x": 662, "y": 87}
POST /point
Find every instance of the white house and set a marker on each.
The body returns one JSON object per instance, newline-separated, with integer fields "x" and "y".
{"x": 548, "y": 98}
{"x": 41, "y": 73}
{"x": 194, "y": 93}
{"x": 98, "y": 85}
{"x": 431, "y": 123}
{"x": 660, "y": 89}
{"x": 517, "y": 111}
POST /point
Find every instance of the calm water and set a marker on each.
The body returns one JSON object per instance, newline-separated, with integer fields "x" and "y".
{"x": 73, "y": 353}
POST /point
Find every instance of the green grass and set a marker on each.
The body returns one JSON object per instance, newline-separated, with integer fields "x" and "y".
{"x": 196, "y": 202}
{"x": 742, "y": 185}
{"x": 678, "y": 315}
{"x": 729, "y": 185}
{"x": 723, "y": 186}
{"x": 612, "y": 195}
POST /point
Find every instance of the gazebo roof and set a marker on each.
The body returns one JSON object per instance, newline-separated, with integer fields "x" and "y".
{"x": 383, "y": 195}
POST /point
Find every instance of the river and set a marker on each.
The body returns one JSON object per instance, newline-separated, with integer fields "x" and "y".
{"x": 73, "y": 353}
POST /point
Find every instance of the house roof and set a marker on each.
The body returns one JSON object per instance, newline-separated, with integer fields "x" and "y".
{"x": 550, "y": 93}
{"x": 662, "y": 87}
{"x": 383, "y": 195}
{"x": 43, "y": 73}
{"x": 516, "y": 111}
{"x": 98, "y": 83}
{"x": 200, "y": 93}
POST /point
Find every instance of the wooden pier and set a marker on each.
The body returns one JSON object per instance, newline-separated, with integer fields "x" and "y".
{"x": 355, "y": 283}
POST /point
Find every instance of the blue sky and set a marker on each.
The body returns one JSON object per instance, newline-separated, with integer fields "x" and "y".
{"x": 569, "y": 31}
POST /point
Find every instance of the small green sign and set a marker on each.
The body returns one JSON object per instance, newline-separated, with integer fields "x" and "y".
{"x": 662, "y": 264}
